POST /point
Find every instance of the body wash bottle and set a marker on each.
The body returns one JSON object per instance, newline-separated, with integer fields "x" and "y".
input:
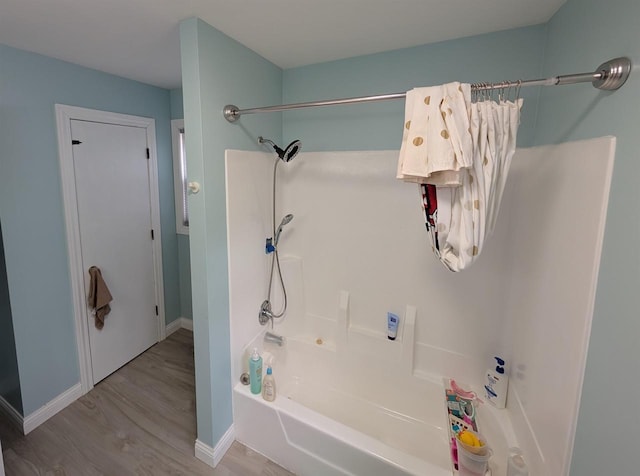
{"x": 497, "y": 384}
{"x": 255, "y": 372}
{"x": 269, "y": 386}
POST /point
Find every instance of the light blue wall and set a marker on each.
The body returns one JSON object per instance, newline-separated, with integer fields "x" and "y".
{"x": 512, "y": 54}
{"x": 184, "y": 267}
{"x": 177, "y": 109}
{"x": 217, "y": 70}
{"x": 9, "y": 377}
{"x": 32, "y": 214}
{"x": 583, "y": 34}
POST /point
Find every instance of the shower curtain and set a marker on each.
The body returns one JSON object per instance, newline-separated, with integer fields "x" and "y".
{"x": 459, "y": 152}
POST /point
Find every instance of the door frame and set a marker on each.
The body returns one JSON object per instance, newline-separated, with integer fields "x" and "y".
{"x": 64, "y": 115}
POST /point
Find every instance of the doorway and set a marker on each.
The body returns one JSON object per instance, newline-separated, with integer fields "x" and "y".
{"x": 110, "y": 191}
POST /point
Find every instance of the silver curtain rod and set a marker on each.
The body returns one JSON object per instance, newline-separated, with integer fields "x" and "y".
{"x": 608, "y": 76}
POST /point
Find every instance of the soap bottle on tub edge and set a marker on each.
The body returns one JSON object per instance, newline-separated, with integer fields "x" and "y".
{"x": 255, "y": 372}
{"x": 269, "y": 386}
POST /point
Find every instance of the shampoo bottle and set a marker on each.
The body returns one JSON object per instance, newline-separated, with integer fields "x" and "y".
{"x": 255, "y": 372}
{"x": 269, "y": 386}
{"x": 496, "y": 385}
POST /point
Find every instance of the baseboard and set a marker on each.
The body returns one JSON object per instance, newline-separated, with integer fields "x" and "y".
{"x": 186, "y": 323}
{"x": 12, "y": 414}
{"x": 212, "y": 456}
{"x": 179, "y": 323}
{"x": 49, "y": 409}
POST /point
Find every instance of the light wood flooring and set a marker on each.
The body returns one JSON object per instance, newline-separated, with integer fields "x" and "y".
{"x": 138, "y": 421}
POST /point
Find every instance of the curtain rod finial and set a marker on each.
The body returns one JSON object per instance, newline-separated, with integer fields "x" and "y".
{"x": 613, "y": 74}
{"x": 230, "y": 113}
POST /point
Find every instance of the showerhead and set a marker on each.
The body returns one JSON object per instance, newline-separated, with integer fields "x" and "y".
{"x": 285, "y": 221}
{"x": 289, "y": 152}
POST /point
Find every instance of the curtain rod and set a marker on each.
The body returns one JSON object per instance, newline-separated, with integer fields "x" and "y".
{"x": 608, "y": 76}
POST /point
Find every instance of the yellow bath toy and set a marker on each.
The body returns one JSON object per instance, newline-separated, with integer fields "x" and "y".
{"x": 469, "y": 438}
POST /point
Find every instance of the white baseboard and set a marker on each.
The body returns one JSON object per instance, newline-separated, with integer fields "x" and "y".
{"x": 179, "y": 323}
{"x": 12, "y": 414}
{"x": 212, "y": 456}
{"x": 32, "y": 421}
{"x": 42, "y": 414}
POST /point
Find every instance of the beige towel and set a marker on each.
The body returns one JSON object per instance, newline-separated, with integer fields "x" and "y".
{"x": 99, "y": 296}
{"x": 436, "y": 141}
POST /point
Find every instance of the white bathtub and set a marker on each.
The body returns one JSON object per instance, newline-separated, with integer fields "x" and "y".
{"x": 337, "y": 416}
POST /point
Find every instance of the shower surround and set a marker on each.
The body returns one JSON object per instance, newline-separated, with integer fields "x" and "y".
{"x": 357, "y": 249}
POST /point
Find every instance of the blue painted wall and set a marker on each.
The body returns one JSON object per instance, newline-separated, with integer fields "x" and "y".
{"x": 184, "y": 268}
{"x": 217, "y": 70}
{"x": 177, "y": 108}
{"x": 583, "y": 34}
{"x": 9, "y": 376}
{"x": 512, "y": 54}
{"x": 32, "y": 214}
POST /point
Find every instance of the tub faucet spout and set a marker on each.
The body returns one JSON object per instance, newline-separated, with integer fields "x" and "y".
{"x": 274, "y": 339}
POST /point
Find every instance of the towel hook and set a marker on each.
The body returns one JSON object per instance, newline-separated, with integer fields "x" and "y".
{"x": 194, "y": 187}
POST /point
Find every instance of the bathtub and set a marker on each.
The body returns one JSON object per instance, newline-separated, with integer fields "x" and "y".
{"x": 335, "y": 415}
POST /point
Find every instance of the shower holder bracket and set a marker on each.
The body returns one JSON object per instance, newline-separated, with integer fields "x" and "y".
{"x": 268, "y": 246}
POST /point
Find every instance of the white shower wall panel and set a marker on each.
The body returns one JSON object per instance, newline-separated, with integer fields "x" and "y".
{"x": 248, "y": 222}
{"x": 358, "y": 248}
{"x": 358, "y": 229}
{"x": 558, "y": 203}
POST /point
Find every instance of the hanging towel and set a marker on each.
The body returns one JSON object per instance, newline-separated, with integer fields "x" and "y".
{"x": 99, "y": 296}
{"x": 436, "y": 143}
{"x": 459, "y": 218}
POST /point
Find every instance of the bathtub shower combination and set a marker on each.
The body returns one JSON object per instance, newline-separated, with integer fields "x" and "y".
{"x": 337, "y": 415}
{"x": 352, "y": 402}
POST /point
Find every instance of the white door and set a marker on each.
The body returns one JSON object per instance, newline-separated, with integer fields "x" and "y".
{"x": 114, "y": 215}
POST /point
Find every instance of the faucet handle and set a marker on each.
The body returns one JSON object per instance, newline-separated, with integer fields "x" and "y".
{"x": 265, "y": 315}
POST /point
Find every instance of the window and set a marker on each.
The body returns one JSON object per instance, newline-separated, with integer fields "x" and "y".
{"x": 180, "y": 176}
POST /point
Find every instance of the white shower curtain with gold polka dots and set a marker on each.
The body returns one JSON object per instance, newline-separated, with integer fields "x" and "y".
{"x": 460, "y": 153}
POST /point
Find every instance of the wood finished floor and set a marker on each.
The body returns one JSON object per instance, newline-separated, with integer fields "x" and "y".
{"x": 138, "y": 421}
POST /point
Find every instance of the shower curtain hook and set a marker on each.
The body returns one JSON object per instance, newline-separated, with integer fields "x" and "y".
{"x": 518, "y": 90}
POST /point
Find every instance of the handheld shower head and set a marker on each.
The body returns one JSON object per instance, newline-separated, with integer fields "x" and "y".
{"x": 289, "y": 152}
{"x": 285, "y": 221}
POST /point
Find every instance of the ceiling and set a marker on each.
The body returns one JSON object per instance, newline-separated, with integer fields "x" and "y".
{"x": 139, "y": 39}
